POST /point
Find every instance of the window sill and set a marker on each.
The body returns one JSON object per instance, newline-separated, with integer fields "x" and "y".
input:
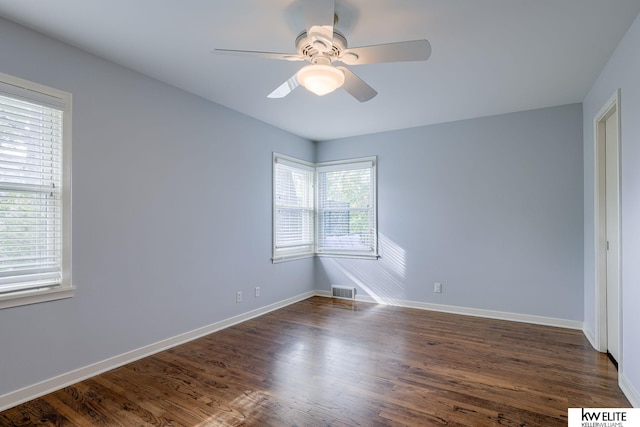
{"x": 291, "y": 258}
{"x": 35, "y": 296}
{"x": 323, "y": 255}
{"x": 356, "y": 256}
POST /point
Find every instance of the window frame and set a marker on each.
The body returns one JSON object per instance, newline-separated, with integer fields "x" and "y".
{"x": 18, "y": 88}
{"x": 346, "y": 164}
{"x": 302, "y": 250}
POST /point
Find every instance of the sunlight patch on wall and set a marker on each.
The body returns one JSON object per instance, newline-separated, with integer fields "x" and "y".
{"x": 392, "y": 256}
{"x": 382, "y": 280}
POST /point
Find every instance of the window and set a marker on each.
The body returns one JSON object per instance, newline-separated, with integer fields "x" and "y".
{"x": 35, "y": 144}
{"x": 346, "y": 208}
{"x": 293, "y": 215}
{"x": 324, "y": 209}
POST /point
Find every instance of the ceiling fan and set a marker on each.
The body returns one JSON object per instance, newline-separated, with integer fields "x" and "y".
{"x": 322, "y": 46}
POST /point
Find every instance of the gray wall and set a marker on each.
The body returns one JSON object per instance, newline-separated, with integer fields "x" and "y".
{"x": 171, "y": 215}
{"x": 622, "y": 71}
{"x": 490, "y": 207}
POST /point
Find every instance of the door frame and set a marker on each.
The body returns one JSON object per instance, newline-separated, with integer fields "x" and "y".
{"x": 613, "y": 104}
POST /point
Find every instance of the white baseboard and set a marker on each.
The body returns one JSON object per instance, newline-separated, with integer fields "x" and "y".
{"x": 25, "y": 394}
{"x": 592, "y": 339}
{"x": 629, "y": 391}
{"x": 490, "y": 314}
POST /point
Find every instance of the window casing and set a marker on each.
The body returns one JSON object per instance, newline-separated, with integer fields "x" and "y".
{"x": 326, "y": 209}
{"x": 346, "y": 208}
{"x": 35, "y": 198}
{"x": 293, "y": 213}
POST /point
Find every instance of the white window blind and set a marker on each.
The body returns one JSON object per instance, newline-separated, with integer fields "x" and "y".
{"x": 346, "y": 208}
{"x": 293, "y": 208}
{"x": 324, "y": 208}
{"x": 31, "y": 136}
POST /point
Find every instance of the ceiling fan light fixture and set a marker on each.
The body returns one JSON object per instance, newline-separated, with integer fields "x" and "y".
{"x": 320, "y": 79}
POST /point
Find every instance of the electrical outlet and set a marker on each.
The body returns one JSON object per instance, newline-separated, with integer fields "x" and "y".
{"x": 257, "y": 291}
{"x": 437, "y": 288}
{"x": 238, "y": 296}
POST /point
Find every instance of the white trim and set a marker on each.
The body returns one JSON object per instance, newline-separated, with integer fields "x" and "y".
{"x": 34, "y": 296}
{"x": 292, "y": 162}
{"x": 291, "y": 258}
{"x": 592, "y": 339}
{"x": 35, "y": 92}
{"x": 25, "y": 394}
{"x": 345, "y": 255}
{"x": 600, "y": 265}
{"x": 628, "y": 390}
{"x": 360, "y": 163}
{"x": 466, "y": 311}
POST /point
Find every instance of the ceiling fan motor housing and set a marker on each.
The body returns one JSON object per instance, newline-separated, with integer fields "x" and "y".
{"x": 306, "y": 48}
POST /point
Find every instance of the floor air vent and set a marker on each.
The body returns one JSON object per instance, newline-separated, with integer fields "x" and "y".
{"x": 343, "y": 292}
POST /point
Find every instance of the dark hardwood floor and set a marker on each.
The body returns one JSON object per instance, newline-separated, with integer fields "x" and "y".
{"x": 324, "y": 362}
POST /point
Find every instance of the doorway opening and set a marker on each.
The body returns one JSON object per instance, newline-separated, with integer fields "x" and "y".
{"x": 607, "y": 215}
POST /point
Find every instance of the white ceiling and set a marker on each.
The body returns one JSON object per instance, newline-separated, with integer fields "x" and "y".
{"x": 489, "y": 56}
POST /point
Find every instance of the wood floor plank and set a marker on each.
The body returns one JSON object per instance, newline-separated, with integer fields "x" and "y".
{"x": 326, "y": 362}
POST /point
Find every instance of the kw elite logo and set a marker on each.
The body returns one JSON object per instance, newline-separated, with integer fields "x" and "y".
{"x": 604, "y": 417}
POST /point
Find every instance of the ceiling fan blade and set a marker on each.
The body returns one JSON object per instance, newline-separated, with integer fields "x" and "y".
{"x": 356, "y": 86}
{"x": 319, "y": 16}
{"x": 285, "y": 88}
{"x": 264, "y": 55}
{"x": 415, "y": 50}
